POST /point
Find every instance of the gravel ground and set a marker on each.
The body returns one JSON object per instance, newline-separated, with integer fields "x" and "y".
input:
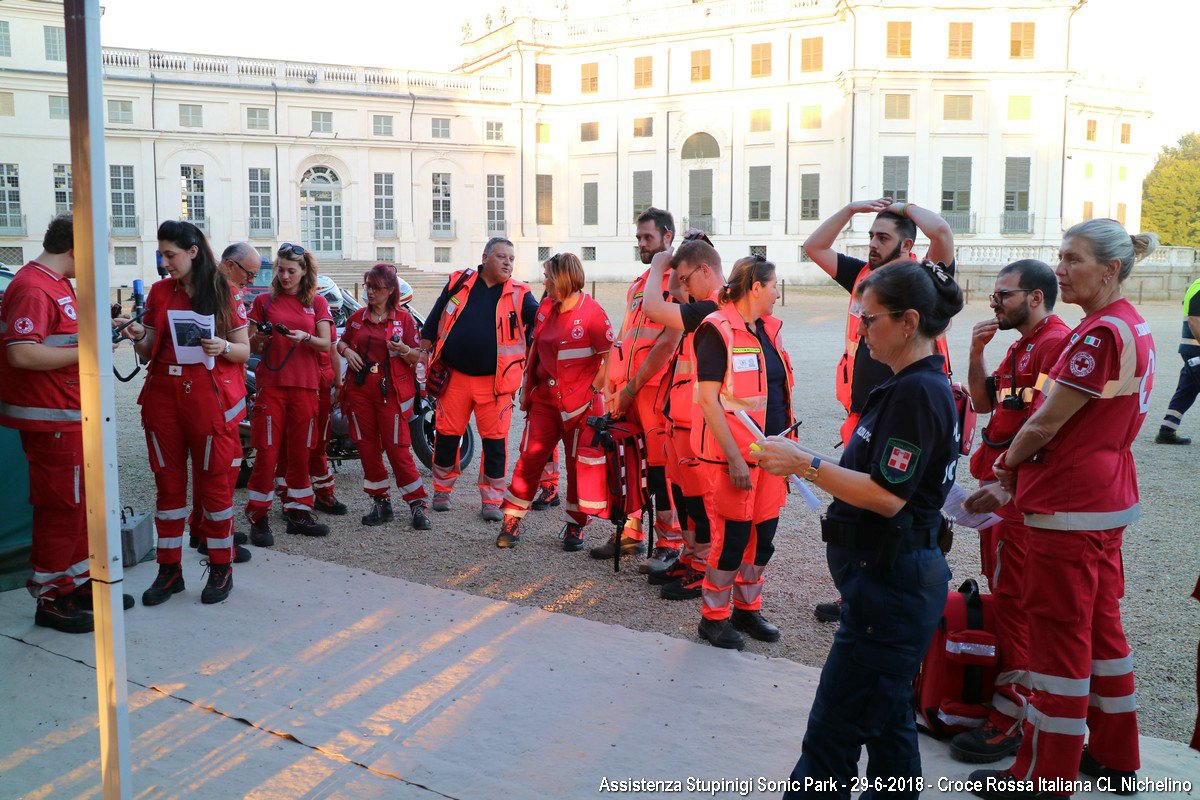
{"x": 1161, "y": 556}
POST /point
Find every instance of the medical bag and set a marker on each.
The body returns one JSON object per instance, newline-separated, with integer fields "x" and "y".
{"x": 966, "y": 417}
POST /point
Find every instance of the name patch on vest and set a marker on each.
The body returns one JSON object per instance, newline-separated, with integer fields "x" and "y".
{"x": 745, "y": 359}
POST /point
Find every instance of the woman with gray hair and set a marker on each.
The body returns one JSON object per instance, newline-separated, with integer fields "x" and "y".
{"x": 1071, "y": 471}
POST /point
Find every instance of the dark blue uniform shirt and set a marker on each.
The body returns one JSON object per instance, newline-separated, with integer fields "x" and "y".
{"x": 471, "y": 346}
{"x": 907, "y": 441}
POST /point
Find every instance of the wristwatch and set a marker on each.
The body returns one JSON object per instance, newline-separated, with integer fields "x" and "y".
{"x": 814, "y": 469}
{"x": 228, "y": 347}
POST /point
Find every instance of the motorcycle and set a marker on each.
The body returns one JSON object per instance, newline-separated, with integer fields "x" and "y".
{"x": 341, "y": 447}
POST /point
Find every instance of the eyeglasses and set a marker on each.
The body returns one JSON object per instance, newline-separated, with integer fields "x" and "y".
{"x": 683, "y": 279}
{"x": 289, "y": 250}
{"x": 250, "y": 274}
{"x": 869, "y": 319}
{"x": 999, "y": 297}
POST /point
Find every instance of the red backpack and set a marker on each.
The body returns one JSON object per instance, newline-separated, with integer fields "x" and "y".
{"x": 966, "y": 417}
{"x": 953, "y": 690}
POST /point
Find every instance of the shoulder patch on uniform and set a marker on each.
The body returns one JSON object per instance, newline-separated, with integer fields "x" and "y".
{"x": 1142, "y": 328}
{"x": 62, "y": 301}
{"x": 899, "y": 460}
{"x": 1091, "y": 341}
{"x": 23, "y": 325}
{"x": 1082, "y": 364}
{"x": 69, "y": 310}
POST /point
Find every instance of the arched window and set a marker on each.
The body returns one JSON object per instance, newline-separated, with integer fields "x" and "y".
{"x": 321, "y": 211}
{"x": 700, "y": 145}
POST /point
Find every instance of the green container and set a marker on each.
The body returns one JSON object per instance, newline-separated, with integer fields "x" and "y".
{"x": 16, "y": 515}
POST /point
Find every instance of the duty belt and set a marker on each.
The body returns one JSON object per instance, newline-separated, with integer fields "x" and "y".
{"x": 857, "y": 536}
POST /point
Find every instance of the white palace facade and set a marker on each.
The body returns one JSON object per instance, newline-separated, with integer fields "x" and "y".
{"x": 752, "y": 119}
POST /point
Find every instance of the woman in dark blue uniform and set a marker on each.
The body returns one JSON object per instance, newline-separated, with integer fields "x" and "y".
{"x": 882, "y": 530}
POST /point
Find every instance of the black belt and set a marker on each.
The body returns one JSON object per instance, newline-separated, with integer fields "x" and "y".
{"x": 857, "y": 536}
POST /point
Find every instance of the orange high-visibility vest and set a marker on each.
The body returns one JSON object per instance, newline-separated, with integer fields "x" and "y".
{"x": 510, "y": 328}
{"x": 744, "y": 389}
{"x": 637, "y": 337}
{"x": 679, "y": 402}
{"x": 576, "y": 367}
{"x": 843, "y": 379}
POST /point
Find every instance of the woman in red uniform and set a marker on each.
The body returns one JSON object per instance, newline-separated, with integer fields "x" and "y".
{"x": 191, "y": 410}
{"x": 292, "y": 325}
{"x": 563, "y": 376}
{"x": 1071, "y": 471}
{"x": 743, "y": 390}
{"x": 381, "y": 346}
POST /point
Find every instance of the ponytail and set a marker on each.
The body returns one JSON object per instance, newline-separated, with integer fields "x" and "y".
{"x": 746, "y": 272}
{"x": 927, "y": 288}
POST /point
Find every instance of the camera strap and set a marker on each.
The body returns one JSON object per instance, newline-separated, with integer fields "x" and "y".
{"x": 266, "y": 355}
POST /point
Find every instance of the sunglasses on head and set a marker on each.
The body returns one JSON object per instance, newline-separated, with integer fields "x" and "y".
{"x": 289, "y": 250}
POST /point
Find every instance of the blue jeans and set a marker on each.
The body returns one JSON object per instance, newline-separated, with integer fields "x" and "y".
{"x": 865, "y": 694}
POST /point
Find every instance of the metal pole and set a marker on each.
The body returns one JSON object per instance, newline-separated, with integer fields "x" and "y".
{"x": 86, "y": 102}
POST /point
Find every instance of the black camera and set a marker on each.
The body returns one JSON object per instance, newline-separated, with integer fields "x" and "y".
{"x": 284, "y": 329}
{"x": 396, "y": 338}
{"x": 1014, "y": 402}
{"x": 264, "y": 327}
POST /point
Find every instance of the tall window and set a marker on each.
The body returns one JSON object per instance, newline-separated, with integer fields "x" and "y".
{"x": 643, "y": 127}
{"x": 591, "y": 203}
{"x": 543, "y": 79}
{"x": 1126, "y": 133}
{"x": 956, "y": 192}
{"x": 260, "y": 199}
{"x": 810, "y": 117}
{"x": 1019, "y": 107}
{"x": 120, "y": 112}
{"x": 1088, "y": 170}
{"x": 1122, "y": 173}
{"x": 643, "y": 187}
{"x": 962, "y": 36}
{"x": 62, "y": 188}
{"x": 899, "y": 40}
{"x": 1088, "y": 210}
{"x": 442, "y": 221}
{"x": 1091, "y": 130}
{"x": 385, "y": 203}
{"x": 812, "y": 54}
{"x": 121, "y": 193}
{"x": 56, "y": 43}
{"x": 495, "y": 204}
{"x": 760, "y": 120}
{"x": 191, "y": 194}
{"x": 1021, "y": 40}
{"x": 1016, "y": 195}
{"x": 543, "y": 132}
{"x": 381, "y": 124}
{"x": 1121, "y": 213}
{"x": 258, "y": 119}
{"x": 5, "y": 41}
{"x": 494, "y": 131}
{"x": 589, "y": 78}
{"x": 810, "y": 195}
{"x": 643, "y": 72}
{"x": 10, "y": 196}
{"x": 897, "y": 106}
{"x": 895, "y": 178}
{"x": 545, "y": 199}
{"x": 589, "y": 131}
{"x": 440, "y": 128}
{"x": 760, "y": 60}
{"x": 958, "y": 107}
{"x": 7, "y": 106}
{"x": 758, "y": 189}
{"x": 58, "y": 107}
{"x": 322, "y": 122}
{"x": 701, "y": 65}
{"x": 190, "y": 116}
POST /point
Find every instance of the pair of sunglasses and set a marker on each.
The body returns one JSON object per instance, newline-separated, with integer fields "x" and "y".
{"x": 289, "y": 250}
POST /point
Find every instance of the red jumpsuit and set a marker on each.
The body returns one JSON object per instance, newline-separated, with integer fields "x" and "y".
{"x": 288, "y": 377}
{"x": 1002, "y": 546}
{"x": 1078, "y": 494}
{"x": 319, "y": 471}
{"x": 39, "y": 307}
{"x": 379, "y": 419}
{"x": 568, "y": 351}
{"x": 190, "y": 411}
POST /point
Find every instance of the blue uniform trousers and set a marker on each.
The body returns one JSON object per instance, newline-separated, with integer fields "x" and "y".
{"x": 1185, "y": 392}
{"x": 865, "y": 694}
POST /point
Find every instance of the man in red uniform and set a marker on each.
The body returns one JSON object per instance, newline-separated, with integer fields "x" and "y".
{"x": 39, "y": 397}
{"x": 1023, "y": 299}
{"x": 479, "y": 330}
{"x": 641, "y": 354}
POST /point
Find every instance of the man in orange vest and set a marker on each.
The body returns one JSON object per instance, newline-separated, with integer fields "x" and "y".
{"x": 891, "y": 238}
{"x": 636, "y": 367}
{"x": 479, "y": 330}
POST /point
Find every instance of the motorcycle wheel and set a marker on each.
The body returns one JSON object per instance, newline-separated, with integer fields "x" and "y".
{"x": 422, "y": 429}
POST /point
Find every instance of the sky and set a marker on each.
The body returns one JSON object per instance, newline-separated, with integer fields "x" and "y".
{"x": 1148, "y": 39}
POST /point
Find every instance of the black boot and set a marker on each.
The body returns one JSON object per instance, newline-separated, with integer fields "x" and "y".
{"x": 420, "y": 522}
{"x": 380, "y": 514}
{"x": 1122, "y": 782}
{"x": 328, "y": 504}
{"x": 572, "y": 537}
{"x": 168, "y": 582}
{"x": 260, "y": 532}
{"x": 220, "y": 583}
{"x": 66, "y": 614}
{"x": 629, "y": 546}
{"x": 719, "y": 633}
{"x": 828, "y": 612}
{"x": 547, "y": 497}
{"x": 303, "y": 523}
{"x": 510, "y": 532}
{"x": 1170, "y": 436}
{"x": 753, "y": 624}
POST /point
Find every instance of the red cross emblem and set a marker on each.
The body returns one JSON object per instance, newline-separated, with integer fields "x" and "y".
{"x": 899, "y": 459}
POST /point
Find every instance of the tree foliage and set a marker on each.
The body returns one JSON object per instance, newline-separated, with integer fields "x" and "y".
{"x": 1171, "y": 194}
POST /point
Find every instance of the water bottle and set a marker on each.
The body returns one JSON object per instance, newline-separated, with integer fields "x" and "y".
{"x": 421, "y": 372}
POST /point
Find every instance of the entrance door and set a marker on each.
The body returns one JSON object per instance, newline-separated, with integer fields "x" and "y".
{"x": 700, "y": 202}
{"x": 321, "y": 211}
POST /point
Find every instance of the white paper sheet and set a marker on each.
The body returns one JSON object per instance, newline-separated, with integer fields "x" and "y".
{"x": 953, "y": 508}
{"x": 187, "y": 329}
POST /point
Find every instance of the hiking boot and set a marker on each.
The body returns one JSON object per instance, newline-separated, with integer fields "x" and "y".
{"x": 510, "y": 532}
{"x": 84, "y": 596}
{"x": 441, "y": 501}
{"x": 547, "y": 496}
{"x": 1120, "y": 782}
{"x": 754, "y": 625}
{"x": 65, "y": 613}
{"x": 240, "y": 554}
{"x": 194, "y": 541}
{"x": 572, "y": 537}
{"x": 260, "y": 532}
{"x": 1000, "y": 784}
{"x": 984, "y": 744}
{"x": 828, "y": 612}
{"x": 220, "y": 583}
{"x": 491, "y": 512}
{"x": 380, "y": 514}
{"x": 689, "y": 587}
{"x": 629, "y": 546}
{"x": 328, "y": 504}
{"x": 303, "y": 523}
{"x": 661, "y": 559}
{"x": 1171, "y": 436}
{"x": 719, "y": 633}
{"x": 168, "y": 582}
{"x": 669, "y": 575}
{"x": 420, "y": 522}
